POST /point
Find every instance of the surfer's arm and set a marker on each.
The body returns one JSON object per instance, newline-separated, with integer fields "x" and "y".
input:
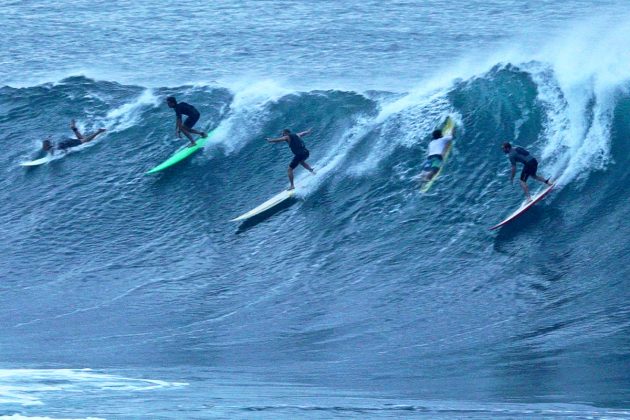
{"x": 512, "y": 173}
{"x": 277, "y": 140}
{"x": 305, "y": 133}
{"x": 178, "y": 124}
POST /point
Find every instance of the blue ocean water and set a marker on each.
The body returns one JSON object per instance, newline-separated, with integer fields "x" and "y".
{"x": 132, "y": 296}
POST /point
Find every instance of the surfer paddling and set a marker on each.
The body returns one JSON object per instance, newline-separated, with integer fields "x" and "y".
{"x": 192, "y": 116}
{"x": 297, "y": 146}
{"x": 530, "y": 166}
{"x": 435, "y": 154}
{"x": 67, "y": 143}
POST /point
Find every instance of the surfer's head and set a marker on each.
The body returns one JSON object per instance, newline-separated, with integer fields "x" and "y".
{"x": 437, "y": 134}
{"x": 46, "y": 145}
{"x": 171, "y": 102}
{"x": 286, "y": 132}
{"x": 506, "y": 147}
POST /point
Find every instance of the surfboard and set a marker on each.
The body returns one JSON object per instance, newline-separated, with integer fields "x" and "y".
{"x": 267, "y": 205}
{"x": 524, "y": 207}
{"x": 37, "y": 162}
{"x": 447, "y": 129}
{"x": 181, "y": 154}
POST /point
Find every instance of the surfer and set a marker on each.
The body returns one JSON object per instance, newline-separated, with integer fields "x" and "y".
{"x": 435, "y": 154}
{"x": 297, "y": 146}
{"x": 66, "y": 143}
{"x": 192, "y": 116}
{"x": 530, "y": 166}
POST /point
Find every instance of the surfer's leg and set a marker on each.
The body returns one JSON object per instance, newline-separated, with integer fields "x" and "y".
{"x": 92, "y": 136}
{"x": 308, "y": 167}
{"x": 191, "y": 130}
{"x": 75, "y": 130}
{"x": 186, "y": 132}
{"x": 526, "y": 190}
{"x": 290, "y": 173}
{"x": 190, "y": 123}
{"x": 542, "y": 179}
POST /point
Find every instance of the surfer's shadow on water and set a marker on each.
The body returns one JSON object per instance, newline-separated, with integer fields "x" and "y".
{"x": 549, "y": 219}
{"x": 262, "y": 217}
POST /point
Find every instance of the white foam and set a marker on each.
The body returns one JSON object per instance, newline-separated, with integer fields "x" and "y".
{"x": 126, "y": 115}
{"x": 248, "y": 112}
{"x": 29, "y": 387}
{"x": 590, "y": 65}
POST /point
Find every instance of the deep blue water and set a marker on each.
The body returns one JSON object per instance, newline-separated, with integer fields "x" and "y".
{"x": 132, "y": 296}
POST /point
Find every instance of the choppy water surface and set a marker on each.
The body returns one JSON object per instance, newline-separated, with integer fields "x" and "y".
{"x": 125, "y": 295}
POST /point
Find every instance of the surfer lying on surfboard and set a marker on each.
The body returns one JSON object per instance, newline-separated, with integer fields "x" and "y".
{"x": 66, "y": 143}
{"x": 192, "y": 116}
{"x": 297, "y": 146}
{"x": 530, "y": 166}
{"x": 435, "y": 154}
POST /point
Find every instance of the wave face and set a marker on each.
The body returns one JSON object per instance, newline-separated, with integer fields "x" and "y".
{"x": 361, "y": 284}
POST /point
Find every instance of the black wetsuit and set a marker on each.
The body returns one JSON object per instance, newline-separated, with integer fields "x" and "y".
{"x": 530, "y": 164}
{"x": 190, "y": 111}
{"x": 297, "y": 146}
{"x": 68, "y": 143}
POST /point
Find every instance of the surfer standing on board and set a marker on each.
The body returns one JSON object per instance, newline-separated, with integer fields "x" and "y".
{"x": 297, "y": 146}
{"x": 530, "y": 166}
{"x": 182, "y": 108}
{"x": 435, "y": 154}
{"x": 66, "y": 143}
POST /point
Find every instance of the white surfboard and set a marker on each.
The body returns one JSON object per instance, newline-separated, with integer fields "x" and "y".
{"x": 526, "y": 205}
{"x": 37, "y": 162}
{"x": 267, "y": 205}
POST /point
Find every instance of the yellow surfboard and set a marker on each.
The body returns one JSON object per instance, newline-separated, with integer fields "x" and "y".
{"x": 447, "y": 130}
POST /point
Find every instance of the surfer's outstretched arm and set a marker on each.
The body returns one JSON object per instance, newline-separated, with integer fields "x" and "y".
{"x": 306, "y": 132}
{"x": 277, "y": 140}
{"x": 513, "y": 172}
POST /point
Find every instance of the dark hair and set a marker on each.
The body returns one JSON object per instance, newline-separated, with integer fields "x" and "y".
{"x": 506, "y": 145}
{"x": 171, "y": 99}
{"x": 286, "y": 131}
{"x": 437, "y": 134}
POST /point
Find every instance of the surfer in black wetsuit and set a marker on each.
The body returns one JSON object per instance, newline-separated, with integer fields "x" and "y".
{"x": 297, "y": 146}
{"x": 66, "y": 143}
{"x": 530, "y": 166}
{"x": 182, "y": 108}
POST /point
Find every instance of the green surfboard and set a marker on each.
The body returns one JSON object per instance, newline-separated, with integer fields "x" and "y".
{"x": 181, "y": 154}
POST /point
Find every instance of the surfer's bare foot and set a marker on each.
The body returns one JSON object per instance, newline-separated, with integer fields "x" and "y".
{"x": 204, "y": 134}
{"x": 529, "y": 198}
{"x": 192, "y": 144}
{"x": 291, "y": 188}
{"x": 313, "y": 172}
{"x": 549, "y": 181}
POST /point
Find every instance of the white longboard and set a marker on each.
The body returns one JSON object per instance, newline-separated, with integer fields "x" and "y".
{"x": 37, "y": 162}
{"x": 524, "y": 207}
{"x": 267, "y": 205}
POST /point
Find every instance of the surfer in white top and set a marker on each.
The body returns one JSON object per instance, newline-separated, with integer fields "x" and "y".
{"x": 435, "y": 154}
{"x": 530, "y": 166}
